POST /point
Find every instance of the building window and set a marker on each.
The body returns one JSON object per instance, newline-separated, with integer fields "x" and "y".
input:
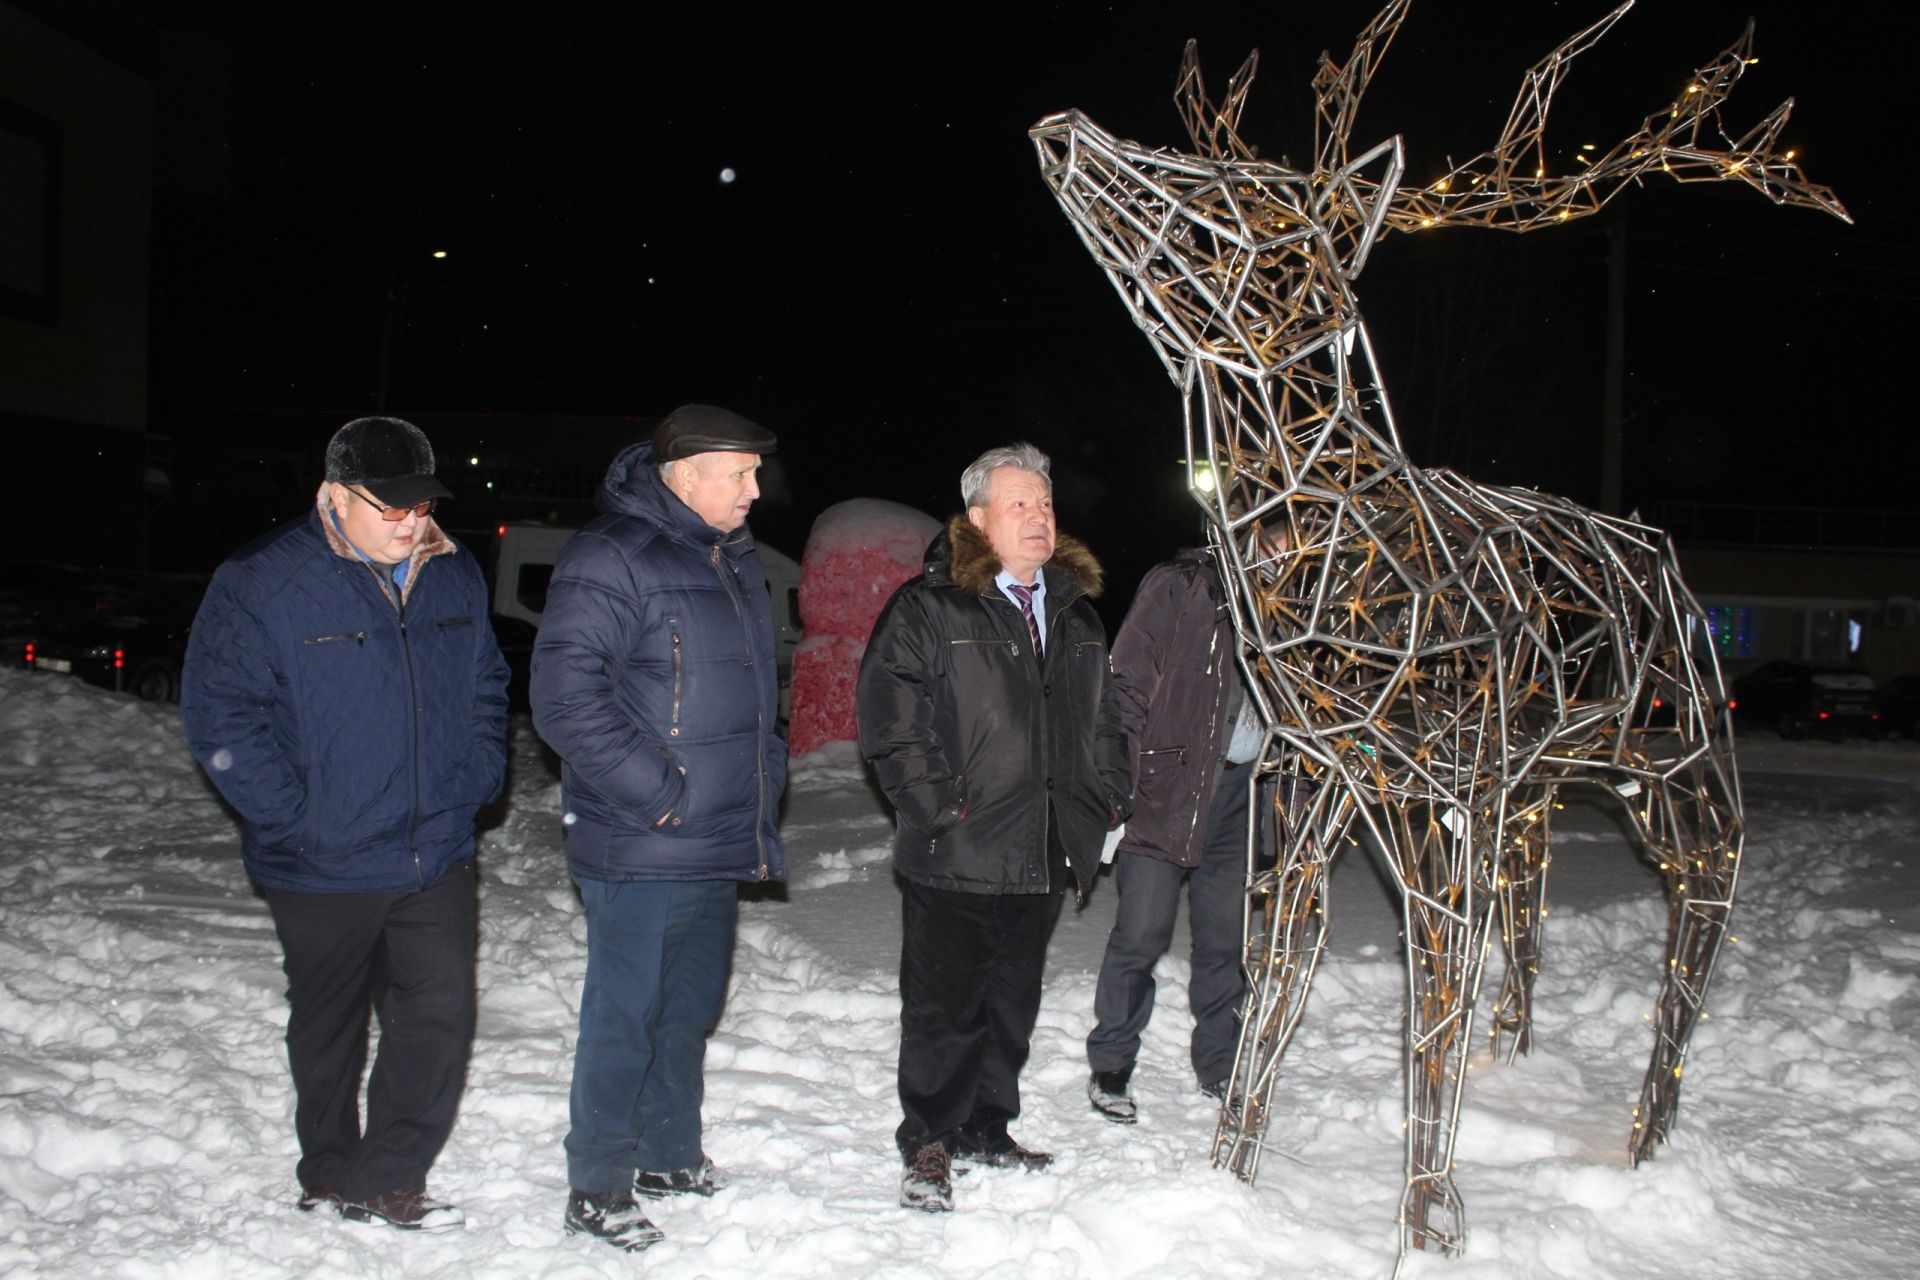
{"x": 1732, "y": 629}
{"x": 1835, "y": 636}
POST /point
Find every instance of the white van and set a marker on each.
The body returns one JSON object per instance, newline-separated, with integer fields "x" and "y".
{"x": 524, "y": 553}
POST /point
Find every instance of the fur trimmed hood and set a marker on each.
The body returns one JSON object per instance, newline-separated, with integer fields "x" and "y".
{"x": 972, "y": 565}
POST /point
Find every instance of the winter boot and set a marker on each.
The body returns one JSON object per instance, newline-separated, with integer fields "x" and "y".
{"x": 613, "y": 1216}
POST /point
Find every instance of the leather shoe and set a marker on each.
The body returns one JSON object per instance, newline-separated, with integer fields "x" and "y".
{"x": 927, "y": 1184}
{"x": 407, "y": 1209}
{"x": 1011, "y": 1156}
{"x": 312, "y": 1198}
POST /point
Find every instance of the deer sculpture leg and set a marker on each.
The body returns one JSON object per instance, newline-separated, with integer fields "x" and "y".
{"x": 1446, "y": 912}
{"x": 1286, "y": 930}
{"x": 1520, "y": 887}
{"x": 1691, "y": 827}
{"x": 1681, "y": 789}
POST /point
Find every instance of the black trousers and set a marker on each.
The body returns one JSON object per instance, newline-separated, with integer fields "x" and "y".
{"x": 970, "y": 969}
{"x": 409, "y": 958}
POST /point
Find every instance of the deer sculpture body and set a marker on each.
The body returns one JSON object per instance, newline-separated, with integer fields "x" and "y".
{"x": 1434, "y": 658}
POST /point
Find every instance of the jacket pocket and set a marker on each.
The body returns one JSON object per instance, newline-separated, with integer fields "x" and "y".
{"x": 1010, "y": 646}
{"x": 357, "y": 637}
{"x": 1158, "y": 770}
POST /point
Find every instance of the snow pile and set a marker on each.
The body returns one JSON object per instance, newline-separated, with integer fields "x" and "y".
{"x": 857, "y": 554}
{"x": 147, "y": 1129}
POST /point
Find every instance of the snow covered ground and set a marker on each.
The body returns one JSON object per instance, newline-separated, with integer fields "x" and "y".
{"x": 145, "y": 1111}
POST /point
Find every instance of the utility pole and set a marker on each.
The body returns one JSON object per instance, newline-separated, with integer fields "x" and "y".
{"x": 1614, "y": 400}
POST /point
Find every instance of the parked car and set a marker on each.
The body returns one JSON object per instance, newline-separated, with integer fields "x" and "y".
{"x": 1900, "y": 706}
{"x": 131, "y": 642}
{"x": 1798, "y": 698}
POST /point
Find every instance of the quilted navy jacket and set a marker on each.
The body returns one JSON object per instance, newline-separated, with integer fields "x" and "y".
{"x": 356, "y": 738}
{"x": 654, "y": 680}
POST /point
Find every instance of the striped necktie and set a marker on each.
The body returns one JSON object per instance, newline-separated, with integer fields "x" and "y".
{"x": 1023, "y": 596}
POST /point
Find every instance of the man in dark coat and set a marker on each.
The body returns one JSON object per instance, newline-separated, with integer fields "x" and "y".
{"x": 1177, "y": 706}
{"x": 977, "y": 701}
{"x": 653, "y": 678}
{"x": 344, "y": 692}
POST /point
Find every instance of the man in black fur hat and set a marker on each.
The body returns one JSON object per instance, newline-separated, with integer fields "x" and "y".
{"x": 978, "y": 697}
{"x": 344, "y": 692}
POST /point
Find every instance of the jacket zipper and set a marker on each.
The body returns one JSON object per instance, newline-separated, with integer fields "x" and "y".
{"x": 358, "y": 637}
{"x": 398, "y": 599}
{"x": 674, "y": 731}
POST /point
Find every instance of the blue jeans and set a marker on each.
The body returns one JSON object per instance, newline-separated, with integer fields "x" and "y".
{"x": 658, "y": 954}
{"x": 1143, "y": 931}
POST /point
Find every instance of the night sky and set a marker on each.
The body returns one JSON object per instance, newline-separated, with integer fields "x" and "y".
{"x": 886, "y": 282}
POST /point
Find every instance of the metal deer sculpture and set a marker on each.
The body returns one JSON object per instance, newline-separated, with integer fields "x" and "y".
{"x": 1435, "y": 658}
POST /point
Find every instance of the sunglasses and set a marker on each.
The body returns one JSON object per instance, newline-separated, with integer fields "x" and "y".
{"x": 394, "y": 515}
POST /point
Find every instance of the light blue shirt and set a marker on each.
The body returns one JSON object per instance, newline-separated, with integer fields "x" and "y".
{"x": 1243, "y": 744}
{"x": 1003, "y": 580}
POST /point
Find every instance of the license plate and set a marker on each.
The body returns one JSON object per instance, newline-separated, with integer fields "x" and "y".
{"x": 55, "y": 664}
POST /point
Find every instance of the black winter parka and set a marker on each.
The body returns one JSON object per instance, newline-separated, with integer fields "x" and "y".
{"x": 970, "y": 736}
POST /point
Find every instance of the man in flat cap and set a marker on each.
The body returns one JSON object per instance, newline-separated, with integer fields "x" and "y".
{"x": 653, "y": 678}
{"x": 344, "y": 692}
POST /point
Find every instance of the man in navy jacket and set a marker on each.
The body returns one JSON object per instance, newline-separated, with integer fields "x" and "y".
{"x": 344, "y": 692}
{"x": 654, "y": 680}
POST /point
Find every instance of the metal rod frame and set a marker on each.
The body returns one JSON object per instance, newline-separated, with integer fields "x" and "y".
{"x": 1434, "y": 658}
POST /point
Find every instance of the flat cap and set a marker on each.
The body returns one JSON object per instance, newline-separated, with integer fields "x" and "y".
{"x": 705, "y": 428}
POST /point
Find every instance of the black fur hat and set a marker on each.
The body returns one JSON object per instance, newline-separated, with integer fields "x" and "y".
{"x": 388, "y": 458}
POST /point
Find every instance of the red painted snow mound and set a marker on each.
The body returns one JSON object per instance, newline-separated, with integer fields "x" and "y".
{"x": 858, "y": 552}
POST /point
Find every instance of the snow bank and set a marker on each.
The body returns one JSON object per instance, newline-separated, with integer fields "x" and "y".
{"x": 146, "y": 1129}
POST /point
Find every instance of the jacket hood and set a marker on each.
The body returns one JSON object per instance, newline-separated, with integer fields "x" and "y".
{"x": 962, "y": 554}
{"x": 633, "y": 487}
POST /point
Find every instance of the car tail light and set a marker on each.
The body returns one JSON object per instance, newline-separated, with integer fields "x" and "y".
{"x": 1659, "y": 703}
{"x": 1825, "y": 714}
{"x": 28, "y": 655}
{"x": 500, "y": 531}
{"x": 1732, "y": 703}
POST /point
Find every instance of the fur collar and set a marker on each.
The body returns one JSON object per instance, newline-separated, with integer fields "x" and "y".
{"x": 973, "y": 566}
{"x": 432, "y": 543}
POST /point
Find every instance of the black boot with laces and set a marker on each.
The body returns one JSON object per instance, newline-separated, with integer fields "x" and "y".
{"x": 613, "y": 1216}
